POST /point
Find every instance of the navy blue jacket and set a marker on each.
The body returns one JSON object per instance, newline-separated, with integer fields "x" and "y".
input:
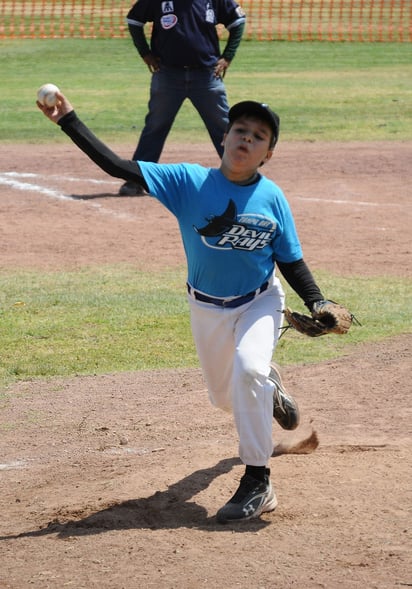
{"x": 184, "y": 31}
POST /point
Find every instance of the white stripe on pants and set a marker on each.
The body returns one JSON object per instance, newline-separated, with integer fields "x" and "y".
{"x": 235, "y": 347}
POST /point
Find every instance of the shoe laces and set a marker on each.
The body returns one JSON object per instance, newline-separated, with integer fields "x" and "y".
{"x": 279, "y": 395}
{"x": 279, "y": 399}
{"x": 246, "y": 486}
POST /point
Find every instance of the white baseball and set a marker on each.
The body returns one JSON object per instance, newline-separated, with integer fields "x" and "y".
{"x": 46, "y": 94}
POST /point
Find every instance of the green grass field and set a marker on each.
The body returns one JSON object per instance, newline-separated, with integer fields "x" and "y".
{"x": 109, "y": 319}
{"x": 322, "y": 91}
{"x": 106, "y": 320}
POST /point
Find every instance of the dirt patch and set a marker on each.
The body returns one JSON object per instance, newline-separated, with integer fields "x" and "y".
{"x": 113, "y": 481}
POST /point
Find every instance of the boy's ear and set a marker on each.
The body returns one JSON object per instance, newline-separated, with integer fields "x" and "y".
{"x": 267, "y": 157}
{"x": 224, "y": 139}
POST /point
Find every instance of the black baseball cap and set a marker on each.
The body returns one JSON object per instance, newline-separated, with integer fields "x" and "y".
{"x": 261, "y": 111}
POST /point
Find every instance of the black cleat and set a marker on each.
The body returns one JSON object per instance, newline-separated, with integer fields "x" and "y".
{"x": 252, "y": 498}
{"x": 131, "y": 189}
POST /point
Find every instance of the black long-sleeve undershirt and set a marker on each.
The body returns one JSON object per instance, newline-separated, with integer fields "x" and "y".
{"x": 300, "y": 278}
{"x": 97, "y": 151}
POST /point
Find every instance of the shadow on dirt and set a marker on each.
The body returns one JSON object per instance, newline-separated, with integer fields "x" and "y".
{"x": 168, "y": 509}
{"x": 105, "y": 195}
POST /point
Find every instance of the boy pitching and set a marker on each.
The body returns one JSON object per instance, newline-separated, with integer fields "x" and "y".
{"x": 237, "y": 230}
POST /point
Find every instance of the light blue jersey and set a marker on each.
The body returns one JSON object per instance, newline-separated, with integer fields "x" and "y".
{"x": 232, "y": 235}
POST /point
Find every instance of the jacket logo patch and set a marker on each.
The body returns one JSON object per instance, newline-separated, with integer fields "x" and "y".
{"x": 168, "y": 21}
{"x": 210, "y": 13}
{"x": 167, "y": 7}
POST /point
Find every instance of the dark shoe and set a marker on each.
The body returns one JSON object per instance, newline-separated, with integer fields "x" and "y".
{"x": 285, "y": 408}
{"x": 252, "y": 498}
{"x": 131, "y": 189}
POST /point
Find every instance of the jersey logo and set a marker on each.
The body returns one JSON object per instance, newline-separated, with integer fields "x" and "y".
{"x": 167, "y": 7}
{"x": 168, "y": 21}
{"x": 218, "y": 224}
{"x": 246, "y": 232}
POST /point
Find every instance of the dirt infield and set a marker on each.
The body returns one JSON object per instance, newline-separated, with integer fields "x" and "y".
{"x": 113, "y": 481}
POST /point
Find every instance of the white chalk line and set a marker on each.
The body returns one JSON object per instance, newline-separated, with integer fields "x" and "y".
{"x": 25, "y": 186}
{"x": 57, "y": 177}
{"x": 13, "y": 465}
{"x": 9, "y": 179}
{"x": 361, "y": 203}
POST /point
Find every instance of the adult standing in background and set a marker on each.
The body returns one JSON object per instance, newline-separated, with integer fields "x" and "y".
{"x": 185, "y": 61}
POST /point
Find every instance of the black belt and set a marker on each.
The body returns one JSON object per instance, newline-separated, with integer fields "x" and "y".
{"x": 231, "y": 303}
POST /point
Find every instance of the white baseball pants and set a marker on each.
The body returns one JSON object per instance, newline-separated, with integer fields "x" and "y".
{"x": 235, "y": 347}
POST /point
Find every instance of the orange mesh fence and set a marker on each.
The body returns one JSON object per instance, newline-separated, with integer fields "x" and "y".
{"x": 267, "y": 20}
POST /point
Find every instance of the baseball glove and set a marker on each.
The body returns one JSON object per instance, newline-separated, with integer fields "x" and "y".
{"x": 327, "y": 317}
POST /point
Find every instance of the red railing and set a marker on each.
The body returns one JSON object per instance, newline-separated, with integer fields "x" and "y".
{"x": 267, "y": 20}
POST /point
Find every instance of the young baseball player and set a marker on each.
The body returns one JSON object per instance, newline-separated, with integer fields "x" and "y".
{"x": 237, "y": 229}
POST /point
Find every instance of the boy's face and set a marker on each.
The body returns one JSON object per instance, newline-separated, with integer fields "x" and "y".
{"x": 247, "y": 143}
